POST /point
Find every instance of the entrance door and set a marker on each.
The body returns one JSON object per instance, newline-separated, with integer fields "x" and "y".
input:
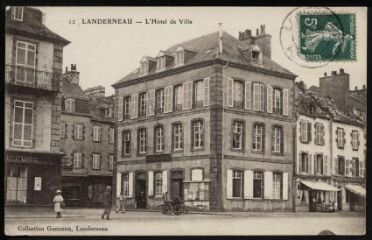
{"x": 141, "y": 190}
{"x": 312, "y": 201}
{"x": 177, "y": 185}
{"x": 339, "y": 200}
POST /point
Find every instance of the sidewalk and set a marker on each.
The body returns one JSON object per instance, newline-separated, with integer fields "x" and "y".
{"x": 47, "y": 212}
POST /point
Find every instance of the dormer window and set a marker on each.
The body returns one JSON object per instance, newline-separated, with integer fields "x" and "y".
{"x": 17, "y": 13}
{"x": 70, "y": 105}
{"x": 160, "y": 63}
{"x": 255, "y": 56}
{"x": 180, "y": 56}
{"x": 311, "y": 109}
{"x": 144, "y": 68}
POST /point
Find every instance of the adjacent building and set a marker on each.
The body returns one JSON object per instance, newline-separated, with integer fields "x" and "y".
{"x": 330, "y": 155}
{"x": 210, "y": 121}
{"x": 33, "y": 68}
{"x": 87, "y": 140}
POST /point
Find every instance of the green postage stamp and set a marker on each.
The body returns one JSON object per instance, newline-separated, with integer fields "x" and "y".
{"x": 326, "y": 36}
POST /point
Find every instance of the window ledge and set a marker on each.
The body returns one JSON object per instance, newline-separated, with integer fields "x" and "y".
{"x": 277, "y": 154}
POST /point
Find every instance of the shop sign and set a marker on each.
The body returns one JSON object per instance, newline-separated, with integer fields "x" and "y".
{"x": 158, "y": 158}
{"x": 37, "y": 184}
{"x": 22, "y": 158}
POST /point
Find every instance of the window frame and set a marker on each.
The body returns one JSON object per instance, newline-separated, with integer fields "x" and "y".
{"x": 242, "y": 134}
{"x": 178, "y": 97}
{"x": 126, "y": 107}
{"x": 254, "y": 137}
{"x": 159, "y": 105}
{"x": 142, "y": 104}
{"x": 201, "y": 134}
{"x": 275, "y": 138}
{"x": 158, "y": 184}
{"x": 236, "y": 178}
{"x": 274, "y": 194}
{"x": 125, "y": 184}
{"x": 198, "y": 91}
{"x": 341, "y": 169}
{"x": 318, "y": 167}
{"x": 70, "y": 105}
{"x": 255, "y": 172}
{"x": 302, "y": 162}
{"x": 236, "y": 83}
{"x": 156, "y": 138}
{"x": 277, "y": 110}
{"x": 97, "y": 133}
{"x": 78, "y": 126}
{"x": 144, "y": 141}
{"x": 340, "y": 140}
{"x": 124, "y": 141}
{"x": 319, "y": 133}
{"x": 179, "y": 58}
{"x": 261, "y": 97}
{"x": 96, "y": 160}
{"x": 78, "y": 160}
{"x": 110, "y": 166}
{"x": 14, "y": 13}
{"x": 23, "y": 124}
{"x": 179, "y": 136}
{"x": 355, "y": 142}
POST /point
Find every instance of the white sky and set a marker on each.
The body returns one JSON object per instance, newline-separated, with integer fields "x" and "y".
{"x": 105, "y": 53}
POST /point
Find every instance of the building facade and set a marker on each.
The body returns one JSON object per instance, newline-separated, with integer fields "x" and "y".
{"x": 330, "y": 155}
{"x": 87, "y": 140}
{"x": 33, "y": 68}
{"x": 208, "y": 121}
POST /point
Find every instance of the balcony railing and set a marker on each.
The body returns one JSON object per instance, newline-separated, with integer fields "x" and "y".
{"x": 31, "y": 77}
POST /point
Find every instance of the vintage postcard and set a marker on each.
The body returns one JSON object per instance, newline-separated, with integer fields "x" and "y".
{"x": 185, "y": 121}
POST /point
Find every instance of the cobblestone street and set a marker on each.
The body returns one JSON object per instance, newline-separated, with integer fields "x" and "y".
{"x": 89, "y": 222}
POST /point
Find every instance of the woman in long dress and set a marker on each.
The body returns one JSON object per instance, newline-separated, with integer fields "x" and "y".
{"x": 58, "y": 200}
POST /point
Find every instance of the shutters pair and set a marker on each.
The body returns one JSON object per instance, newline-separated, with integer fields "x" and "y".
{"x": 119, "y": 182}
{"x": 305, "y": 131}
{"x": 248, "y": 184}
{"x": 151, "y": 182}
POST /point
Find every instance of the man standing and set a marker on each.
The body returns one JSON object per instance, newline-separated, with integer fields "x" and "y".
{"x": 120, "y": 206}
{"x": 107, "y": 202}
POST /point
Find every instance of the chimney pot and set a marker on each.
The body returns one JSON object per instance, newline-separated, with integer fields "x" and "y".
{"x": 325, "y": 74}
{"x": 341, "y": 70}
{"x": 73, "y": 67}
{"x": 334, "y": 73}
{"x": 263, "y": 29}
{"x": 257, "y": 32}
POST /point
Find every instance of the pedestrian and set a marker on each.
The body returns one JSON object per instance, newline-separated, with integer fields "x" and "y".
{"x": 107, "y": 203}
{"x": 58, "y": 202}
{"x": 121, "y": 203}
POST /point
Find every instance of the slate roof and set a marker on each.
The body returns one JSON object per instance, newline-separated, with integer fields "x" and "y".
{"x": 206, "y": 48}
{"x": 72, "y": 89}
{"x": 324, "y": 105}
{"x": 32, "y": 25}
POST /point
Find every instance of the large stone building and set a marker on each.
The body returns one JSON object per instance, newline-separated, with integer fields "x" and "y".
{"x": 33, "y": 68}
{"x": 210, "y": 121}
{"x": 87, "y": 140}
{"x": 330, "y": 155}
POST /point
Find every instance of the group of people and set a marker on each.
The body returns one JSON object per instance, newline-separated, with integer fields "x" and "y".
{"x": 107, "y": 203}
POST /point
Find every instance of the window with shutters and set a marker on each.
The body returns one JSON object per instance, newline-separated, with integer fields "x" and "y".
{"x": 355, "y": 140}
{"x": 142, "y": 104}
{"x": 25, "y": 63}
{"x": 198, "y": 93}
{"x": 111, "y": 163}
{"x": 177, "y": 137}
{"x": 78, "y": 131}
{"x": 341, "y": 165}
{"x": 258, "y": 137}
{"x": 125, "y": 184}
{"x": 78, "y": 160}
{"x": 355, "y": 167}
{"x": 238, "y": 89}
{"x": 319, "y": 134}
{"x": 22, "y": 123}
{"x": 258, "y": 184}
{"x": 63, "y": 130}
{"x": 318, "y": 164}
{"x": 125, "y": 143}
{"x": 97, "y": 133}
{"x": 159, "y": 101}
{"x": 159, "y": 139}
{"x": 237, "y": 181}
{"x": 112, "y": 135}
{"x": 304, "y": 162}
{"x": 178, "y": 97}
{"x": 126, "y": 107}
{"x": 96, "y": 161}
{"x": 277, "y": 185}
{"x": 158, "y": 184}
{"x": 142, "y": 141}
{"x": 259, "y": 97}
{"x": 305, "y": 131}
{"x": 70, "y": 105}
{"x": 277, "y": 139}
{"x": 17, "y": 13}
{"x": 340, "y": 133}
{"x": 237, "y": 135}
{"x": 277, "y": 101}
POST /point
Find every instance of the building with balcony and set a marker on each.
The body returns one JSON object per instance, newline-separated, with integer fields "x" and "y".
{"x": 330, "y": 155}
{"x": 209, "y": 121}
{"x": 87, "y": 140}
{"x": 33, "y": 68}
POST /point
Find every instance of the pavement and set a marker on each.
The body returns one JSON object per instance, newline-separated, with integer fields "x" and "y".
{"x": 87, "y": 221}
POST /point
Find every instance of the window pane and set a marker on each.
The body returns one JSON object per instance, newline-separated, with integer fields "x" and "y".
{"x": 27, "y": 132}
{"x": 30, "y": 58}
{"x": 17, "y": 131}
{"x": 28, "y": 116}
{"x": 21, "y": 56}
{"x": 18, "y": 115}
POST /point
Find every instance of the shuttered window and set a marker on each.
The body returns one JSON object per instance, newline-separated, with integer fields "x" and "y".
{"x": 340, "y": 133}
{"x": 318, "y": 164}
{"x": 177, "y": 136}
{"x": 229, "y": 92}
{"x": 142, "y": 104}
{"x": 259, "y": 97}
{"x": 150, "y": 106}
{"x": 341, "y": 165}
{"x": 111, "y": 163}
{"x": 277, "y": 139}
{"x": 126, "y": 108}
{"x": 23, "y": 123}
{"x": 178, "y": 97}
{"x": 158, "y": 184}
{"x": 77, "y": 162}
{"x": 159, "y": 139}
{"x": 125, "y": 143}
{"x": 258, "y": 137}
{"x": 237, "y": 183}
{"x": 270, "y": 103}
{"x": 238, "y": 94}
{"x": 96, "y": 161}
{"x": 198, "y": 93}
{"x": 63, "y": 130}
{"x": 258, "y": 184}
{"x": 319, "y": 134}
{"x": 248, "y": 96}
{"x": 112, "y": 135}
{"x": 237, "y": 135}
{"x": 304, "y": 161}
{"x": 285, "y": 102}
{"x": 355, "y": 140}
{"x": 305, "y": 131}
{"x": 97, "y": 133}
{"x": 142, "y": 141}
{"x": 160, "y": 101}
{"x": 277, "y": 185}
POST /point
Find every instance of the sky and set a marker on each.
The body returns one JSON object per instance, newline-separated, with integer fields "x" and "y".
{"x": 105, "y": 53}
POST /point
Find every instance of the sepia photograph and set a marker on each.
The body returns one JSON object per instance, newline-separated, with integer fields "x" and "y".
{"x": 185, "y": 121}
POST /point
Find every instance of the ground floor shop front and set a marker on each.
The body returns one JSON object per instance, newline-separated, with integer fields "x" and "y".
{"x": 31, "y": 178}
{"x": 238, "y": 185}
{"x": 84, "y": 191}
{"x": 327, "y": 194}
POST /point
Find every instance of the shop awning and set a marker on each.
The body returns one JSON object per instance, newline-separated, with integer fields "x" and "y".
{"x": 319, "y": 186}
{"x": 359, "y": 190}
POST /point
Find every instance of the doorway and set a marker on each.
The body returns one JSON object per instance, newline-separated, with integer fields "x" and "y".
{"x": 141, "y": 190}
{"x": 177, "y": 185}
{"x": 339, "y": 200}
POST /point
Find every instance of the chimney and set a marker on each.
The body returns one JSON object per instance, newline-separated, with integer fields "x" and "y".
{"x": 325, "y": 74}
{"x": 334, "y": 73}
{"x": 72, "y": 75}
{"x": 263, "y": 40}
{"x": 220, "y": 35}
{"x": 342, "y": 71}
{"x": 246, "y": 37}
